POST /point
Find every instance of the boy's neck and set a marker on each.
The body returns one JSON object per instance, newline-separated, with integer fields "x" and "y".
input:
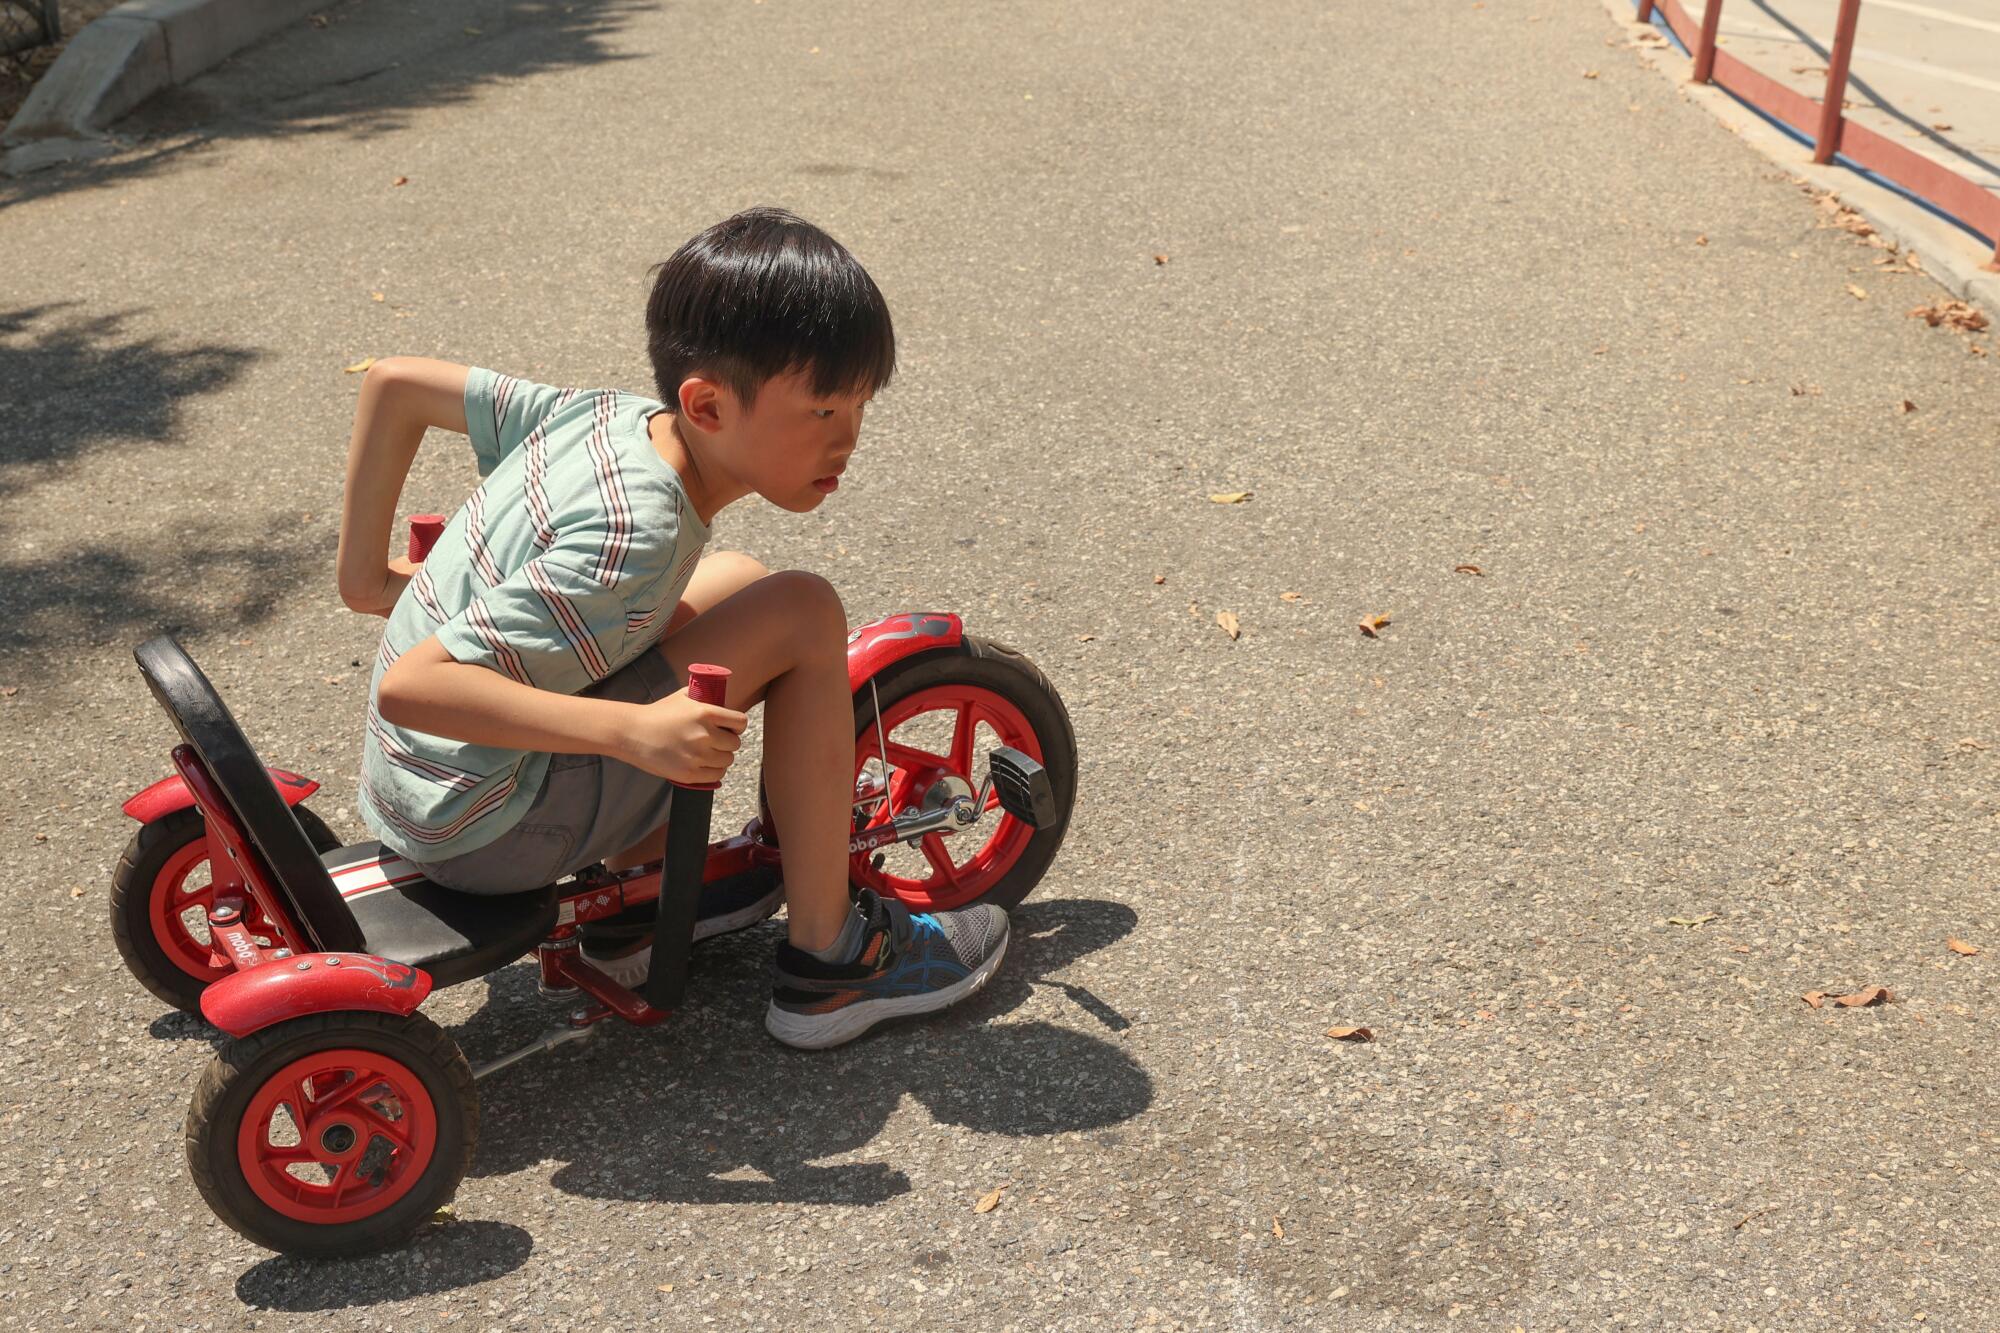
{"x": 709, "y": 489}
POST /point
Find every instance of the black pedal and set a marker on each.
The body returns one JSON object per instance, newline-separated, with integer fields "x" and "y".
{"x": 1024, "y": 788}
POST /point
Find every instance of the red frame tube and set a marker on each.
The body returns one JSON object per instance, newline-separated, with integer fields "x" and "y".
{"x": 1704, "y": 48}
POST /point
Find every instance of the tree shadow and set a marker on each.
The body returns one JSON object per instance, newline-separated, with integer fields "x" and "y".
{"x": 708, "y": 1109}
{"x": 71, "y": 385}
{"x": 360, "y": 69}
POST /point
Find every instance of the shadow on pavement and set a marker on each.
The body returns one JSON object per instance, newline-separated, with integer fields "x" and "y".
{"x": 708, "y": 1109}
{"x": 444, "y": 1258}
{"x": 71, "y": 386}
{"x": 364, "y": 73}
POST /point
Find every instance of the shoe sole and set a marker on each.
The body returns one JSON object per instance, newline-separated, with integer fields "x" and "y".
{"x": 630, "y": 970}
{"x": 816, "y": 1032}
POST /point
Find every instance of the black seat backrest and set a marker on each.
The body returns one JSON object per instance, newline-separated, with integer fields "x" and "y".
{"x": 261, "y": 813}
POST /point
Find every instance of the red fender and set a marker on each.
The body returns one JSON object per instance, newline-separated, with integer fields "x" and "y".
{"x": 170, "y": 794}
{"x": 892, "y": 638}
{"x": 312, "y": 983}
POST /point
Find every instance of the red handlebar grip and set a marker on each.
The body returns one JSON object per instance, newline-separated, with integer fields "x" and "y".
{"x": 707, "y": 684}
{"x": 425, "y": 529}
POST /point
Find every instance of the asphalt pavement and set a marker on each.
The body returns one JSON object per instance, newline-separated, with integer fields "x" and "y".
{"x": 1712, "y": 725}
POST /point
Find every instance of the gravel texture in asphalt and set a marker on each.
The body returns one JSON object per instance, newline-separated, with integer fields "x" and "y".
{"x": 1438, "y": 289}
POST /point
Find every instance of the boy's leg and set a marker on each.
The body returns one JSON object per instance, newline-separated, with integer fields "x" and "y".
{"x": 715, "y": 580}
{"x": 784, "y": 640}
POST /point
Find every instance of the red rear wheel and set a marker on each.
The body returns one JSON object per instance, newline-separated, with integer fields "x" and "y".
{"x": 337, "y": 1135}
{"x": 160, "y": 898}
{"x": 334, "y": 1134}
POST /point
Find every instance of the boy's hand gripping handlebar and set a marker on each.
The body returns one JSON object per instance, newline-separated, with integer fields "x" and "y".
{"x": 686, "y": 858}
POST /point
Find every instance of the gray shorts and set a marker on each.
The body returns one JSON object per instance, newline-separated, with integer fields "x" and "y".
{"x": 590, "y": 807}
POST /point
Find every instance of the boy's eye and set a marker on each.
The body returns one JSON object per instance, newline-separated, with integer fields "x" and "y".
{"x": 823, "y": 413}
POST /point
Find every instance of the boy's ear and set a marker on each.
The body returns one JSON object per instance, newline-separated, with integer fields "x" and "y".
{"x": 704, "y": 403}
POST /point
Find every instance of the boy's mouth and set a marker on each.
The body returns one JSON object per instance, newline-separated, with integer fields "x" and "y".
{"x": 827, "y": 485}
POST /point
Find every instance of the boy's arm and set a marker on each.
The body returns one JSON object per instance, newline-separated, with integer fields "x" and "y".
{"x": 401, "y": 397}
{"x": 428, "y": 690}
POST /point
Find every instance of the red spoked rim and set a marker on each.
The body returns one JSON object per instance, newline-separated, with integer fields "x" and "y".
{"x": 960, "y": 870}
{"x": 168, "y": 904}
{"x": 337, "y": 1135}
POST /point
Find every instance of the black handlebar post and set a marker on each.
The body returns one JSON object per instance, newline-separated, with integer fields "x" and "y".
{"x": 686, "y": 860}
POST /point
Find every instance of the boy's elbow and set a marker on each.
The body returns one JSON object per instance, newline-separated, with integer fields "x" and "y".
{"x": 394, "y": 699}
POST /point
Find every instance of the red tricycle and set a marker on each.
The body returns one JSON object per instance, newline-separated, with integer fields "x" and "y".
{"x": 338, "y": 1119}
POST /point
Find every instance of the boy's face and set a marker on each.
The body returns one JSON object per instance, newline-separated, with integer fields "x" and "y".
{"x": 792, "y": 445}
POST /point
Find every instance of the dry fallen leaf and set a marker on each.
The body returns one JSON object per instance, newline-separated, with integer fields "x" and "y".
{"x": 1702, "y": 239}
{"x": 9, "y": 691}
{"x": 665, "y": 1286}
{"x": 989, "y": 1200}
{"x": 1909, "y": 406}
{"x": 1968, "y": 743}
{"x": 1231, "y": 497}
{"x": 1277, "y": 1227}
{"x": 1159, "y": 259}
{"x": 1590, "y": 74}
{"x": 1085, "y": 638}
{"x": 1940, "y": 125}
{"x": 377, "y": 296}
{"x": 1288, "y": 596}
{"x": 1350, "y": 1034}
{"x": 1957, "y": 314}
{"x": 1856, "y": 292}
{"x": 1702, "y": 920}
{"x": 1373, "y": 623}
{"x": 1229, "y": 623}
{"x": 1159, "y": 579}
{"x": 359, "y": 366}
{"x": 76, "y": 891}
{"x": 400, "y": 180}
{"x": 1961, "y": 947}
{"x": 1861, "y": 999}
{"x": 1468, "y": 569}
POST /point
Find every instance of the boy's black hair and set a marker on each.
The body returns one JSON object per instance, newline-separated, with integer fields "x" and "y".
{"x": 762, "y": 294}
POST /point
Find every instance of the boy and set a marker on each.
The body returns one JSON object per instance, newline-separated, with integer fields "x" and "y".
{"x": 526, "y": 709}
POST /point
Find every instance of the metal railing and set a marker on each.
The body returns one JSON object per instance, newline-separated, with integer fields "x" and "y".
{"x": 25, "y": 24}
{"x": 1823, "y": 123}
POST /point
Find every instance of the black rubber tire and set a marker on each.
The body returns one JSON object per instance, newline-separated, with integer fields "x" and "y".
{"x": 996, "y": 667}
{"x": 131, "y": 900}
{"x": 240, "y": 1068}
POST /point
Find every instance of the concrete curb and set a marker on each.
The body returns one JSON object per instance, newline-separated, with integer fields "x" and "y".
{"x": 124, "y": 57}
{"x": 1954, "y": 260}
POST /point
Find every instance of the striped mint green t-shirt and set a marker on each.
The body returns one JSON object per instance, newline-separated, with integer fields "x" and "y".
{"x": 562, "y": 567}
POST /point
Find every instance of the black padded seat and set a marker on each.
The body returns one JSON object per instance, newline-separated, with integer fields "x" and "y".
{"x": 451, "y": 935}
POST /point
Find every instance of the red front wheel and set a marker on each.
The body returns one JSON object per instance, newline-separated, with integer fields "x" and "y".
{"x": 335, "y": 1134}
{"x": 943, "y": 715}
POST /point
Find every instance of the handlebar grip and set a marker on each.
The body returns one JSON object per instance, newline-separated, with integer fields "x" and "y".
{"x": 707, "y": 684}
{"x": 425, "y": 529}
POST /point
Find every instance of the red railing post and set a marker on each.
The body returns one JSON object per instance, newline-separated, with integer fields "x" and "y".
{"x": 1830, "y": 117}
{"x": 1645, "y": 11}
{"x": 1704, "y": 49}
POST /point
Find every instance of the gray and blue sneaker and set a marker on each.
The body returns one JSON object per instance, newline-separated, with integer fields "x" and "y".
{"x": 909, "y": 963}
{"x": 621, "y": 947}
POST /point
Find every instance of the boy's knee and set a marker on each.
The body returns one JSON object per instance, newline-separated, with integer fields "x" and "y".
{"x": 739, "y": 569}
{"x": 812, "y": 605}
